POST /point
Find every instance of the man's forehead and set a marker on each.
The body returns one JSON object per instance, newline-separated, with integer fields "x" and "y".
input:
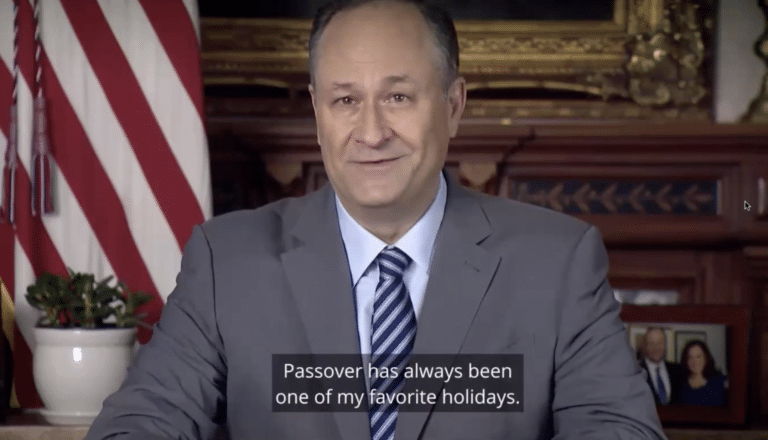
{"x": 387, "y": 80}
{"x": 345, "y": 70}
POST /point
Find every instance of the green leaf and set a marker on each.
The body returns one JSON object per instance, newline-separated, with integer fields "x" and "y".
{"x": 78, "y": 300}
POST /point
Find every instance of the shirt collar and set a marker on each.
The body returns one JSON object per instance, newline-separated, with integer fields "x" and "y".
{"x": 418, "y": 243}
{"x": 653, "y": 364}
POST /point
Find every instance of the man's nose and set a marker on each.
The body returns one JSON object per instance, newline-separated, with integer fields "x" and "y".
{"x": 372, "y": 129}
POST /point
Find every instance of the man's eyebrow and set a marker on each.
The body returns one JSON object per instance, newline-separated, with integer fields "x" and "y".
{"x": 394, "y": 79}
{"x": 390, "y": 80}
{"x": 342, "y": 86}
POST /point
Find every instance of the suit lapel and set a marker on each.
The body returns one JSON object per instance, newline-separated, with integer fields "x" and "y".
{"x": 459, "y": 278}
{"x": 318, "y": 273}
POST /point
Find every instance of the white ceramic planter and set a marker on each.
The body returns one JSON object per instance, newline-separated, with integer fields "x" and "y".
{"x": 76, "y": 369}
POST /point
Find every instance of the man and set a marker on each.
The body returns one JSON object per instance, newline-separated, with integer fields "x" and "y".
{"x": 663, "y": 377}
{"x": 393, "y": 257}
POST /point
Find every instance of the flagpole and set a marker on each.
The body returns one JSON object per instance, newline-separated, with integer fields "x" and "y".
{"x": 7, "y": 210}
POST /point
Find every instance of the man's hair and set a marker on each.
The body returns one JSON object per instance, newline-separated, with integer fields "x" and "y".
{"x": 438, "y": 20}
{"x": 653, "y": 329}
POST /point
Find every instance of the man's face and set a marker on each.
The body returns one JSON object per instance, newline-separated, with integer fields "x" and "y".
{"x": 655, "y": 345}
{"x": 383, "y": 121}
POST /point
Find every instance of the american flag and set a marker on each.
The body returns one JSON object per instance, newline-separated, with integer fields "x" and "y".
{"x": 129, "y": 174}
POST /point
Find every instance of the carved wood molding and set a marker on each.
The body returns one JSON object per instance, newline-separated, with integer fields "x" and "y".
{"x": 617, "y": 197}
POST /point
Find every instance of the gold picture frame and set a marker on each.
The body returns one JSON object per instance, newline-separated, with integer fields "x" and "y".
{"x": 648, "y": 62}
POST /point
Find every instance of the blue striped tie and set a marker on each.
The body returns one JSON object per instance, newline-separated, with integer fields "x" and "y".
{"x": 662, "y": 391}
{"x": 392, "y": 336}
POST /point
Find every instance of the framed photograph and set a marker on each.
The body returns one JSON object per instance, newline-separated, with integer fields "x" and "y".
{"x": 615, "y": 59}
{"x": 694, "y": 358}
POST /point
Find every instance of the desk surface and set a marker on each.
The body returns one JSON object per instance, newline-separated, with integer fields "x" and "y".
{"x": 30, "y": 425}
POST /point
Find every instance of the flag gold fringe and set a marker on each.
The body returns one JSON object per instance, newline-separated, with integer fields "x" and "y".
{"x": 8, "y": 319}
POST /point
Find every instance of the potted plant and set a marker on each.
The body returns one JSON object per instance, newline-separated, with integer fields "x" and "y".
{"x": 84, "y": 342}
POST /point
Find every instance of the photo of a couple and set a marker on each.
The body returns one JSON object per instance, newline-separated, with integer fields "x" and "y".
{"x": 693, "y": 377}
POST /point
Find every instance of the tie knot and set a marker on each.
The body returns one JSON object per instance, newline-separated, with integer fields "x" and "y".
{"x": 393, "y": 261}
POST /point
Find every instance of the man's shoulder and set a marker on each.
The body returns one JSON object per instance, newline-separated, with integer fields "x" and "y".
{"x": 509, "y": 216}
{"x": 268, "y": 222}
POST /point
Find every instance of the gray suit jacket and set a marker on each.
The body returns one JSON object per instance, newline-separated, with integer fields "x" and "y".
{"x": 506, "y": 278}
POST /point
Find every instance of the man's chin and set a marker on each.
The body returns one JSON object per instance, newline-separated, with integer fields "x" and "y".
{"x": 376, "y": 195}
{"x": 379, "y": 202}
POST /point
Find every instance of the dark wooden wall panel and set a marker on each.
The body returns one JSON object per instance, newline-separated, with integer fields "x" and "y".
{"x": 668, "y": 199}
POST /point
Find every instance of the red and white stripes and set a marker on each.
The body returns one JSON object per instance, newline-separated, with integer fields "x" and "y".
{"x": 129, "y": 161}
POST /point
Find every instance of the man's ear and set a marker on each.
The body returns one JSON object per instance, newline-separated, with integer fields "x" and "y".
{"x": 457, "y": 99}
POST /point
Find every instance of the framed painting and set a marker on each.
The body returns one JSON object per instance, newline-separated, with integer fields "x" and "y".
{"x": 605, "y": 59}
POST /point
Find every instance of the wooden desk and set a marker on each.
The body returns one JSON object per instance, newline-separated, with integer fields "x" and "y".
{"x": 711, "y": 434}
{"x": 30, "y": 425}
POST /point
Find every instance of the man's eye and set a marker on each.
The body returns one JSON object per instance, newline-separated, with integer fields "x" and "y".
{"x": 399, "y": 97}
{"x": 346, "y": 100}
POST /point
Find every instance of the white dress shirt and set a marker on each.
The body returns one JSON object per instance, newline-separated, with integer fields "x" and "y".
{"x": 652, "y": 368}
{"x": 362, "y": 248}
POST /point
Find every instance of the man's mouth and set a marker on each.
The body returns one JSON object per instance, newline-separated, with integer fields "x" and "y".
{"x": 377, "y": 162}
